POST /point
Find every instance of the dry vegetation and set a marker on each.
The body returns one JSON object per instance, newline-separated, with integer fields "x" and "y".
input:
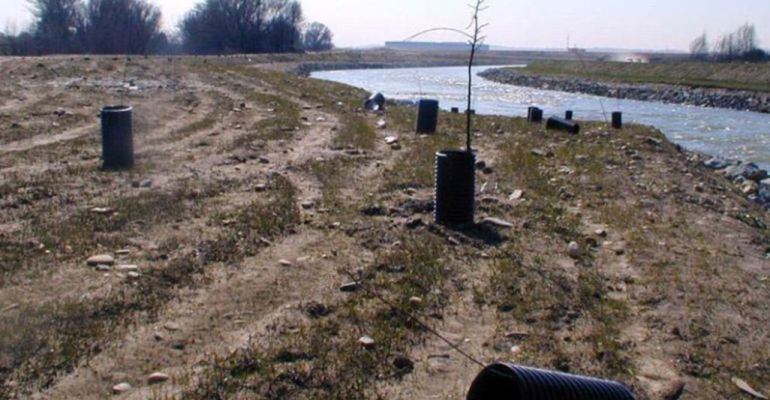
{"x": 257, "y": 194}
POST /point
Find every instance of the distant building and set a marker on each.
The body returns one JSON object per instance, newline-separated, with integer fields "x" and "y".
{"x": 434, "y": 46}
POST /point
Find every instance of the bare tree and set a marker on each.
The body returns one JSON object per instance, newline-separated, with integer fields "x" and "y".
{"x": 122, "y": 26}
{"x": 245, "y": 26}
{"x": 318, "y": 37}
{"x": 739, "y": 45}
{"x": 746, "y": 38}
{"x": 283, "y": 30}
{"x": 699, "y": 48}
{"x": 58, "y": 25}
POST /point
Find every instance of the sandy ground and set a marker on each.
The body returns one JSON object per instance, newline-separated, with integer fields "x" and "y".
{"x": 245, "y": 207}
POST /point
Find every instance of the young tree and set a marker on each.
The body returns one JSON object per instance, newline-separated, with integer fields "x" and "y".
{"x": 318, "y": 37}
{"x": 123, "y": 26}
{"x": 58, "y": 25}
{"x": 699, "y": 48}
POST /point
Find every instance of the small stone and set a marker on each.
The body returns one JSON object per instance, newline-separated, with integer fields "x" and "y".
{"x": 307, "y": 204}
{"x": 102, "y": 210}
{"x": 123, "y": 252}
{"x": 103, "y": 268}
{"x": 700, "y": 188}
{"x": 101, "y": 259}
{"x": 541, "y": 153}
{"x": 260, "y": 187}
{"x": 516, "y": 195}
{"x": 121, "y": 388}
{"x": 497, "y": 222}
{"x": 264, "y": 160}
{"x": 128, "y": 268}
{"x": 349, "y": 287}
{"x": 391, "y": 139}
{"x": 366, "y": 342}
{"x": 134, "y": 275}
{"x": 171, "y": 326}
{"x": 395, "y": 146}
{"x": 574, "y": 250}
{"x": 515, "y": 350}
{"x": 415, "y": 301}
{"x": 745, "y": 387}
{"x": 157, "y": 377}
{"x": 382, "y": 124}
{"x": 146, "y": 183}
{"x": 285, "y": 263}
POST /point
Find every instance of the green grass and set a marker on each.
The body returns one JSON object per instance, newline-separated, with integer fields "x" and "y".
{"x": 741, "y": 76}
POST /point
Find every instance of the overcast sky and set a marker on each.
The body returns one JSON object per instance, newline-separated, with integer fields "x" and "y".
{"x": 639, "y": 24}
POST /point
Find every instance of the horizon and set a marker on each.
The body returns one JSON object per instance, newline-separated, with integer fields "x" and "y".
{"x": 604, "y": 24}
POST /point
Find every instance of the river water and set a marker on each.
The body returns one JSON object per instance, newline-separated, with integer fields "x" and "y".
{"x": 728, "y": 133}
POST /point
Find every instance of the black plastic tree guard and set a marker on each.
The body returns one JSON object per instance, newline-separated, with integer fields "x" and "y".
{"x": 617, "y": 120}
{"x": 427, "y": 116}
{"x": 504, "y": 381}
{"x": 455, "y": 188}
{"x": 375, "y": 103}
{"x": 455, "y": 110}
{"x": 568, "y": 115}
{"x": 562, "y": 124}
{"x": 534, "y": 115}
{"x": 117, "y": 137}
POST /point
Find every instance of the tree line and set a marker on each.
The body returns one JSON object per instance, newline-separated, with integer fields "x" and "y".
{"x": 135, "y": 27}
{"x": 741, "y": 45}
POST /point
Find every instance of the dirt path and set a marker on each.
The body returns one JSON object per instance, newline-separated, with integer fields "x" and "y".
{"x": 238, "y": 305}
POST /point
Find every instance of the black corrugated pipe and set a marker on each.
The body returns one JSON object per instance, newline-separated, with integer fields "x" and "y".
{"x": 562, "y": 125}
{"x": 504, "y": 381}
{"x": 375, "y": 103}
{"x": 455, "y": 187}
{"x": 617, "y": 120}
{"x": 427, "y": 116}
{"x": 117, "y": 137}
{"x": 535, "y": 115}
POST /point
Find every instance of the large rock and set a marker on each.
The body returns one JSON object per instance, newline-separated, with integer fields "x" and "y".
{"x": 764, "y": 191}
{"x": 716, "y": 163}
{"x": 748, "y": 171}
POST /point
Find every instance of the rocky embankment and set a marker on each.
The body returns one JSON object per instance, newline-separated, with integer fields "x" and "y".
{"x": 753, "y": 181}
{"x": 706, "y": 97}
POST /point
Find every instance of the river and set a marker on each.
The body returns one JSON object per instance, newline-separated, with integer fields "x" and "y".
{"x": 732, "y": 134}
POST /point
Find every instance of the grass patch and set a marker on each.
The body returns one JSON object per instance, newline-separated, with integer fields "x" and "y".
{"x": 324, "y": 361}
{"x": 356, "y": 132}
{"x": 248, "y": 228}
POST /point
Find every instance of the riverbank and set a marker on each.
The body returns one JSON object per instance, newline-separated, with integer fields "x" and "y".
{"x": 742, "y": 100}
{"x": 248, "y": 252}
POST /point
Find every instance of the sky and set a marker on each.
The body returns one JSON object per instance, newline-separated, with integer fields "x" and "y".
{"x": 630, "y": 24}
